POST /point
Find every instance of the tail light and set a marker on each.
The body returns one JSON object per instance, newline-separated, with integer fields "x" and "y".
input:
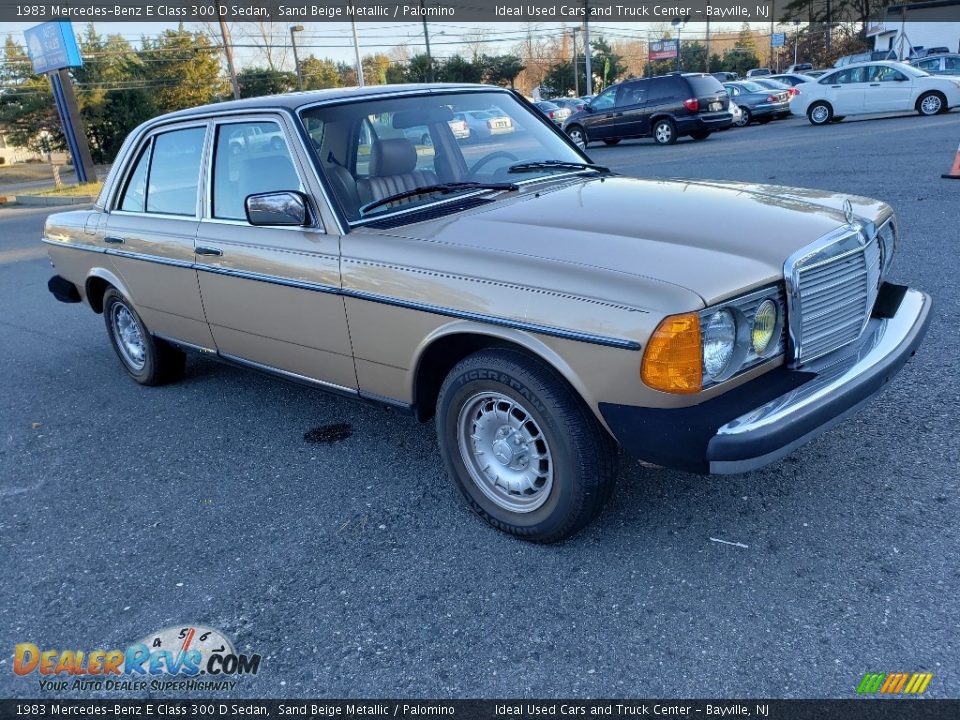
{"x": 793, "y": 91}
{"x": 771, "y": 98}
{"x": 692, "y": 104}
{"x": 551, "y": 114}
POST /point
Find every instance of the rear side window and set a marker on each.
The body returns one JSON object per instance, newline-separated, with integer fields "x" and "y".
{"x": 175, "y": 172}
{"x": 704, "y": 85}
{"x": 633, "y": 94}
{"x": 668, "y": 88}
{"x": 250, "y": 158}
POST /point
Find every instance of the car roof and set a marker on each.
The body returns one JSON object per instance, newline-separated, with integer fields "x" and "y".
{"x": 295, "y": 100}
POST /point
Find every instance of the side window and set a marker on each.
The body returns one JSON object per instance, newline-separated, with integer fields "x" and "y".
{"x": 634, "y": 94}
{"x": 950, "y": 63}
{"x": 136, "y": 191}
{"x": 604, "y": 101}
{"x": 175, "y": 172}
{"x": 882, "y": 73}
{"x": 249, "y": 158}
{"x": 929, "y": 65}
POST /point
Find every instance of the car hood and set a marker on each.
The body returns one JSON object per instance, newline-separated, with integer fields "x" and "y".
{"x": 715, "y": 239}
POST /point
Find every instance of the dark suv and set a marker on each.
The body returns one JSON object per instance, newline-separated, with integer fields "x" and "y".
{"x": 664, "y": 108}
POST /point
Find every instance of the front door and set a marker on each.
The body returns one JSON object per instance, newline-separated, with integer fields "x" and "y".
{"x": 632, "y": 103}
{"x": 271, "y": 294}
{"x": 888, "y": 90}
{"x": 150, "y": 231}
{"x": 600, "y": 122}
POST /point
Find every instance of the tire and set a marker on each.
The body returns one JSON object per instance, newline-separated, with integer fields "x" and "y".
{"x": 611, "y": 142}
{"x": 819, "y": 113}
{"x": 578, "y": 136}
{"x": 664, "y": 132}
{"x": 745, "y": 117}
{"x": 505, "y": 405}
{"x": 931, "y": 103}
{"x": 148, "y": 360}
{"x": 700, "y": 134}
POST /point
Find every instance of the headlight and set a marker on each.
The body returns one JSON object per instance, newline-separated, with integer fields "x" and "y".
{"x": 888, "y": 238}
{"x": 764, "y": 327}
{"x": 719, "y": 342}
{"x": 693, "y": 351}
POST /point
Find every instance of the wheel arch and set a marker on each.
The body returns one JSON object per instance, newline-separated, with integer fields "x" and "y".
{"x": 96, "y": 284}
{"x": 445, "y": 347}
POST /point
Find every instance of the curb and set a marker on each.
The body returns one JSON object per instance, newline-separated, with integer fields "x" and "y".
{"x": 47, "y": 201}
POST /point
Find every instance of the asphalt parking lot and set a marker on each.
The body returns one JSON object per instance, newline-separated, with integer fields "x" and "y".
{"x": 355, "y": 571}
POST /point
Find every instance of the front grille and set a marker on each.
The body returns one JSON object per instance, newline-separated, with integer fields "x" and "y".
{"x": 833, "y": 291}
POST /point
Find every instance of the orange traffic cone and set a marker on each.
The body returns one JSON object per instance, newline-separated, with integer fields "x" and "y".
{"x": 954, "y": 173}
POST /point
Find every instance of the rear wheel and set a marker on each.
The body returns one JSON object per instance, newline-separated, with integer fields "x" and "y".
{"x": 819, "y": 113}
{"x": 612, "y": 141}
{"x": 931, "y": 103}
{"x": 578, "y": 135}
{"x": 700, "y": 134}
{"x": 524, "y": 450}
{"x": 148, "y": 360}
{"x": 664, "y": 132}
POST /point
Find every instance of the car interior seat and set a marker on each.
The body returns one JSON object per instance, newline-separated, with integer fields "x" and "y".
{"x": 393, "y": 169}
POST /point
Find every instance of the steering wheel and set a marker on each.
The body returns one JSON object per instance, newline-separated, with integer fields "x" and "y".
{"x": 472, "y": 172}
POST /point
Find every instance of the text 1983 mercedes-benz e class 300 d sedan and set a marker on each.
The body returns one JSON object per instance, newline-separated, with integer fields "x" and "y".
{"x": 542, "y": 308}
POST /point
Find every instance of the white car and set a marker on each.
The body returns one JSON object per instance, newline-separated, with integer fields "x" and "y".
{"x": 875, "y": 87}
{"x": 737, "y": 114}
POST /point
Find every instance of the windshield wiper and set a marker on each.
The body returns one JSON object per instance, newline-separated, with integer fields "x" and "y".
{"x": 441, "y": 188}
{"x": 556, "y": 164}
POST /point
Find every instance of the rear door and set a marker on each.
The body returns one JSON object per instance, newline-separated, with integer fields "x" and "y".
{"x": 631, "y": 104}
{"x": 150, "y": 231}
{"x": 846, "y": 90}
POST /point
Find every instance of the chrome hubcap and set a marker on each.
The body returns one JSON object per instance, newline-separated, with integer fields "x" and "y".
{"x": 931, "y": 105}
{"x": 126, "y": 329}
{"x": 577, "y": 138}
{"x": 820, "y": 114}
{"x": 505, "y": 452}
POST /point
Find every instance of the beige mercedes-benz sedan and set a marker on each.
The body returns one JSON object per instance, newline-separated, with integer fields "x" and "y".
{"x": 541, "y": 308}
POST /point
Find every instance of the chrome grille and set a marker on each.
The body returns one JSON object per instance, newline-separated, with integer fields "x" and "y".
{"x": 831, "y": 291}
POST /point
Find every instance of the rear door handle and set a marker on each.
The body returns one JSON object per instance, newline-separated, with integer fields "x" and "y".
{"x": 208, "y": 251}
{"x": 113, "y": 240}
{"x": 835, "y": 86}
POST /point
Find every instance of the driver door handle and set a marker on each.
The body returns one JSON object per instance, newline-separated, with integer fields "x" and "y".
{"x": 208, "y": 251}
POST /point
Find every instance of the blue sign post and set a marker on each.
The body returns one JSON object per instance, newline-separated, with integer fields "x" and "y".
{"x": 778, "y": 40}
{"x": 52, "y": 48}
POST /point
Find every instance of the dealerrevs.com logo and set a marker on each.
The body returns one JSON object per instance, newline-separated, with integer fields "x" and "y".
{"x": 894, "y": 683}
{"x": 190, "y": 657}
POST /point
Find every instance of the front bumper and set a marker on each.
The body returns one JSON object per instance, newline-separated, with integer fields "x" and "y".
{"x": 769, "y": 417}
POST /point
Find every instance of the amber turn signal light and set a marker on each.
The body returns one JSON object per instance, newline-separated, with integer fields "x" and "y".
{"x": 673, "y": 358}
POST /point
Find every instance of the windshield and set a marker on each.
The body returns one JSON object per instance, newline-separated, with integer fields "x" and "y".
{"x": 753, "y": 87}
{"x": 377, "y": 149}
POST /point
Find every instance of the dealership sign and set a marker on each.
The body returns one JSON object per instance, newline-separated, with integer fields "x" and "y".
{"x": 52, "y": 46}
{"x": 663, "y": 50}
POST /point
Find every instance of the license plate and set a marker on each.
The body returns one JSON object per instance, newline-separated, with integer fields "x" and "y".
{"x": 716, "y": 106}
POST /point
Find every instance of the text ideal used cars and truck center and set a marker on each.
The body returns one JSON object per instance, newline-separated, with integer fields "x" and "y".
{"x": 495, "y": 284}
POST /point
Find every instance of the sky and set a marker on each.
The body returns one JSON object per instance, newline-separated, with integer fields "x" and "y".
{"x": 334, "y": 40}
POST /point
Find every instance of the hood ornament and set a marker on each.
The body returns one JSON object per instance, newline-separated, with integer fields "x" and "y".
{"x": 848, "y": 211}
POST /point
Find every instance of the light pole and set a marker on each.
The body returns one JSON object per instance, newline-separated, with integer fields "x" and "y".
{"x": 576, "y": 79}
{"x": 796, "y": 39}
{"x": 426, "y": 40}
{"x": 678, "y": 23}
{"x": 296, "y": 60}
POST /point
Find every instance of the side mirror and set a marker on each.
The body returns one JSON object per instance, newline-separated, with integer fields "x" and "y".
{"x": 588, "y": 108}
{"x": 284, "y": 208}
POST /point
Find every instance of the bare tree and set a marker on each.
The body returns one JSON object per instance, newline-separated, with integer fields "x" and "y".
{"x": 271, "y": 41}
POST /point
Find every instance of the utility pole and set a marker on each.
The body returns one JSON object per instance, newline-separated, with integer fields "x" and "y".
{"x": 586, "y": 47}
{"x": 576, "y": 75}
{"x": 707, "y": 62}
{"x": 426, "y": 40}
{"x": 773, "y": 14}
{"x": 296, "y": 60}
{"x": 356, "y": 49}
{"x": 228, "y": 51}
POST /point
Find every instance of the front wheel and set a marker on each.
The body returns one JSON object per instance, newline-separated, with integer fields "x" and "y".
{"x": 578, "y": 136}
{"x": 930, "y": 103}
{"x": 524, "y": 450}
{"x": 664, "y": 132}
{"x": 148, "y": 360}
{"x": 820, "y": 113}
